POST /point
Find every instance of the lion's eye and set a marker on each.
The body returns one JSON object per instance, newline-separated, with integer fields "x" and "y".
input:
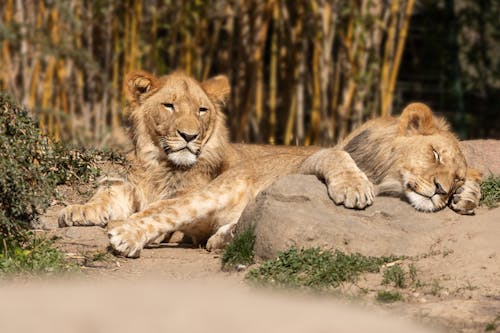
{"x": 202, "y": 110}
{"x": 168, "y": 106}
{"x": 437, "y": 157}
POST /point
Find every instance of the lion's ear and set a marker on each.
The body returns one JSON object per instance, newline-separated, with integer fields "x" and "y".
{"x": 217, "y": 89}
{"x": 416, "y": 118}
{"x": 137, "y": 85}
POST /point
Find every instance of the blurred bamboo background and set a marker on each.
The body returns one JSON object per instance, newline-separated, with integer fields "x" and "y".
{"x": 302, "y": 72}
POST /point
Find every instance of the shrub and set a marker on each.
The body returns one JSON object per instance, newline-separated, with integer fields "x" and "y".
{"x": 31, "y": 166}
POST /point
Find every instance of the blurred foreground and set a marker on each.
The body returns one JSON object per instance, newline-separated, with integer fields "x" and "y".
{"x": 154, "y": 305}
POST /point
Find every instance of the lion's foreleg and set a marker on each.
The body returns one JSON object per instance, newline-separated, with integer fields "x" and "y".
{"x": 220, "y": 198}
{"x": 346, "y": 183}
{"x": 113, "y": 200}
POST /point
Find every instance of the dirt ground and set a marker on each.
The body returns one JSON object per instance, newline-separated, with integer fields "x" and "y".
{"x": 469, "y": 303}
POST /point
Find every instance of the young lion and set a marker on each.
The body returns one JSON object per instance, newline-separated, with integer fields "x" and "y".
{"x": 415, "y": 155}
{"x": 188, "y": 177}
{"x": 182, "y": 152}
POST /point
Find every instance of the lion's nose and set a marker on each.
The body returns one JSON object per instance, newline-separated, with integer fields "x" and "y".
{"x": 187, "y": 137}
{"x": 439, "y": 188}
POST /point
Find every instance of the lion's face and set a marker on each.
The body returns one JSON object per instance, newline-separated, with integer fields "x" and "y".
{"x": 180, "y": 114}
{"x": 432, "y": 172}
{"x": 431, "y": 164}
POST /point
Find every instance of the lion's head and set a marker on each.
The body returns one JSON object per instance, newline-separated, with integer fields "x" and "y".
{"x": 175, "y": 117}
{"x": 415, "y": 154}
{"x": 431, "y": 164}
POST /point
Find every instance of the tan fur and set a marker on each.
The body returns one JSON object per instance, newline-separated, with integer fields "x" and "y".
{"x": 165, "y": 111}
{"x": 188, "y": 177}
{"x": 416, "y": 154}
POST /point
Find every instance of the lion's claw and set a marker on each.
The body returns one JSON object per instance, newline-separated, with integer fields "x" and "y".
{"x": 82, "y": 215}
{"x": 466, "y": 198}
{"x": 354, "y": 191}
{"x": 126, "y": 240}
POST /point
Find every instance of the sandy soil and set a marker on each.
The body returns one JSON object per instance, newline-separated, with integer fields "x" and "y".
{"x": 465, "y": 304}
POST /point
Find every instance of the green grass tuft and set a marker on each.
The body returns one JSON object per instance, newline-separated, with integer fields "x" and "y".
{"x": 240, "y": 250}
{"x": 386, "y": 296}
{"x": 32, "y": 255}
{"x": 314, "y": 268}
{"x": 490, "y": 327}
{"x": 395, "y": 275}
{"x": 490, "y": 191}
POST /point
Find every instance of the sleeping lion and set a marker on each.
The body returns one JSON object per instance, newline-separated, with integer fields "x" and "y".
{"x": 187, "y": 176}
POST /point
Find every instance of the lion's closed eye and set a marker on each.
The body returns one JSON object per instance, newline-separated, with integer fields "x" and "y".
{"x": 169, "y": 106}
{"x": 437, "y": 156}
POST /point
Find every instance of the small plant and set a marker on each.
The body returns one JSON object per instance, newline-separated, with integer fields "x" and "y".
{"x": 33, "y": 255}
{"x": 99, "y": 256}
{"x": 240, "y": 250}
{"x": 412, "y": 272}
{"x": 492, "y": 326}
{"x": 395, "y": 275}
{"x": 314, "y": 268}
{"x": 436, "y": 288}
{"x": 490, "y": 191}
{"x": 385, "y": 296}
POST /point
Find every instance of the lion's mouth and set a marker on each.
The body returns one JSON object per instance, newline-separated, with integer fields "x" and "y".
{"x": 425, "y": 203}
{"x": 169, "y": 150}
{"x": 183, "y": 156}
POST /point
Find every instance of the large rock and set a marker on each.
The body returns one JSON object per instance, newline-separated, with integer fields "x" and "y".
{"x": 483, "y": 155}
{"x": 296, "y": 211}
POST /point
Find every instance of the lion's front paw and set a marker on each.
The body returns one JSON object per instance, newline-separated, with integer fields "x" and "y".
{"x": 127, "y": 240}
{"x": 353, "y": 190}
{"x": 221, "y": 238}
{"x": 466, "y": 198}
{"x": 82, "y": 215}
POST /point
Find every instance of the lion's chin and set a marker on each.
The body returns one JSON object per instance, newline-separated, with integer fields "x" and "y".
{"x": 423, "y": 203}
{"x": 183, "y": 158}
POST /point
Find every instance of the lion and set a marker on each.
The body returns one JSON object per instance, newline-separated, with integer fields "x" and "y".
{"x": 181, "y": 146}
{"x": 415, "y": 155}
{"x": 186, "y": 175}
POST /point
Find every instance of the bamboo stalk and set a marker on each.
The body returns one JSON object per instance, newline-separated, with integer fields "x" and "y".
{"x": 388, "y": 56}
{"x": 6, "y": 57}
{"x": 273, "y": 69}
{"x": 46, "y": 118}
{"x": 314, "y": 126}
{"x": 290, "y": 120}
{"x": 115, "y": 120}
{"x": 335, "y": 97}
{"x": 399, "y": 54}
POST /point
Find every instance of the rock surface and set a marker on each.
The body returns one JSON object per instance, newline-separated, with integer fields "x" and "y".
{"x": 483, "y": 155}
{"x": 296, "y": 211}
